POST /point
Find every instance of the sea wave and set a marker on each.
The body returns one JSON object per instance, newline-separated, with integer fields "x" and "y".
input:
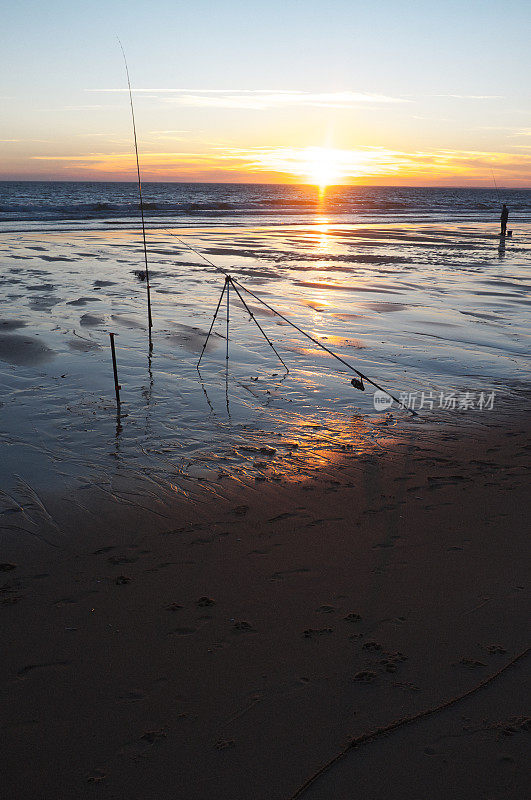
{"x": 40, "y": 201}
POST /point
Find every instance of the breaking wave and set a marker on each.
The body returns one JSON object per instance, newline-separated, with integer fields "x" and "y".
{"x": 66, "y": 201}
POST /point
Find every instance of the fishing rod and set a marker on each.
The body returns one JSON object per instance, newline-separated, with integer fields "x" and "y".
{"x": 150, "y": 321}
{"x": 496, "y": 186}
{"x": 358, "y": 384}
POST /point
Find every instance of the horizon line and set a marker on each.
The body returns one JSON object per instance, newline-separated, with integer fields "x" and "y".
{"x": 267, "y": 183}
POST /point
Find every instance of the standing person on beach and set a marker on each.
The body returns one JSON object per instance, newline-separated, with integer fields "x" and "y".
{"x": 503, "y": 219}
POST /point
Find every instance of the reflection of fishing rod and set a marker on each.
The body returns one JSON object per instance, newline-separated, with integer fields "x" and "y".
{"x": 150, "y": 321}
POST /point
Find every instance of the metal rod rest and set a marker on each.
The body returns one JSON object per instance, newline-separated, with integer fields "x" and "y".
{"x": 117, "y": 386}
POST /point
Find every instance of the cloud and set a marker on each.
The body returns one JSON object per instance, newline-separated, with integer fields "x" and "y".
{"x": 37, "y": 141}
{"x": 307, "y": 164}
{"x": 88, "y": 107}
{"x": 264, "y": 99}
{"x": 470, "y": 96}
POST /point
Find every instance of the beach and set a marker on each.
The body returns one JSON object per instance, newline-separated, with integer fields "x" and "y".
{"x": 211, "y": 593}
{"x": 231, "y": 646}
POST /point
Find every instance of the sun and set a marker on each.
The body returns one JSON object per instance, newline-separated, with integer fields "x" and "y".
{"x": 322, "y": 167}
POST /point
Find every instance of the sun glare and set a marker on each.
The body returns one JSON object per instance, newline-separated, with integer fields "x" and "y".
{"x": 323, "y": 167}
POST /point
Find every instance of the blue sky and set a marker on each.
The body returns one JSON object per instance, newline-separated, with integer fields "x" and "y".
{"x": 408, "y": 78}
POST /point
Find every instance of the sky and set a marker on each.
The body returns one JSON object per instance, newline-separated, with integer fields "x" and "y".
{"x": 283, "y": 91}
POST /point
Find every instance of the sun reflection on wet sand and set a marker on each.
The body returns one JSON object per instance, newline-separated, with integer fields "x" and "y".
{"x": 322, "y": 228}
{"x": 455, "y": 314}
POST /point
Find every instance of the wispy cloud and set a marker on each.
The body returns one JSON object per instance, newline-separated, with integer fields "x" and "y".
{"x": 470, "y": 96}
{"x": 87, "y": 107}
{"x": 263, "y": 99}
{"x": 303, "y": 164}
{"x": 33, "y": 141}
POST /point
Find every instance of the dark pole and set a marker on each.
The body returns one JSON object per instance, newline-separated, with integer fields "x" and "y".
{"x": 227, "y": 284}
{"x": 117, "y": 386}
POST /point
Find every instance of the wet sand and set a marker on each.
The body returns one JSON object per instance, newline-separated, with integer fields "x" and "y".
{"x": 229, "y": 643}
{"x": 426, "y": 308}
{"x": 213, "y": 593}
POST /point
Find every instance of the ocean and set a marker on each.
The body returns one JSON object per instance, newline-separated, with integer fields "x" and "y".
{"x": 48, "y": 203}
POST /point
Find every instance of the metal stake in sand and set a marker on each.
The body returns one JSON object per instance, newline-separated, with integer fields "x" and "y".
{"x": 227, "y": 284}
{"x": 212, "y": 323}
{"x": 117, "y": 386}
{"x": 150, "y": 321}
{"x": 264, "y": 334}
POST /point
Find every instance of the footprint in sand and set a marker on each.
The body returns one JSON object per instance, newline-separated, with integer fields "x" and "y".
{"x": 280, "y": 517}
{"x": 471, "y": 663}
{"x": 278, "y": 576}
{"x": 132, "y": 697}
{"x": 224, "y": 744}
{"x": 21, "y": 673}
{"x": 243, "y": 627}
{"x": 190, "y": 528}
{"x": 205, "y": 602}
{"x": 121, "y": 560}
{"x": 151, "y": 737}
{"x": 313, "y": 633}
{"x": 495, "y": 649}
{"x": 185, "y": 631}
{"x": 365, "y": 676}
{"x": 173, "y": 607}
{"x": 352, "y": 617}
{"x": 97, "y": 777}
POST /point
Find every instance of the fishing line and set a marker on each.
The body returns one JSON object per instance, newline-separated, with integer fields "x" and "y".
{"x": 496, "y": 186}
{"x": 327, "y": 349}
{"x": 150, "y": 321}
{"x": 357, "y": 383}
{"x": 197, "y": 252}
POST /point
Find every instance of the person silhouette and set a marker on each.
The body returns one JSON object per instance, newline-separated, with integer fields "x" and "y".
{"x": 503, "y": 219}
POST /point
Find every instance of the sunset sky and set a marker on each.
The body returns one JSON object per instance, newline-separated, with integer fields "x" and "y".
{"x": 396, "y": 93}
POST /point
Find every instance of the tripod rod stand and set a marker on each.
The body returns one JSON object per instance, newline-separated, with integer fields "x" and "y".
{"x": 226, "y": 288}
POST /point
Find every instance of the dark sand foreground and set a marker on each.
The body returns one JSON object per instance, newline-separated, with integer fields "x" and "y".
{"x": 226, "y": 648}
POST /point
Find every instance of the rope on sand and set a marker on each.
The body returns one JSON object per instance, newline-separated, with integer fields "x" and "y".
{"x": 371, "y": 735}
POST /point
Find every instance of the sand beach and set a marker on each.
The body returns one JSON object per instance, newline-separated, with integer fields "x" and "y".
{"x": 247, "y": 572}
